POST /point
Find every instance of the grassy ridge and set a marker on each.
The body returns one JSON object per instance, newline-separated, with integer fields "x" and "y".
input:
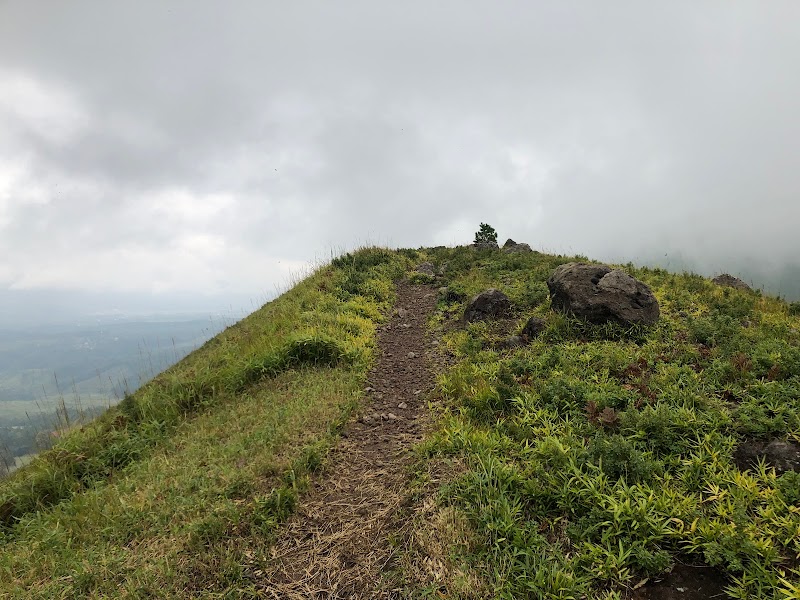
{"x": 178, "y": 489}
{"x": 597, "y": 456}
{"x": 574, "y": 467}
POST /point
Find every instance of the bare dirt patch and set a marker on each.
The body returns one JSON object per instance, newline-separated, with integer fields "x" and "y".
{"x": 685, "y": 582}
{"x": 339, "y": 543}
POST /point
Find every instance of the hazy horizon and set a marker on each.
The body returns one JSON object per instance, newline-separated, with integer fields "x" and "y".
{"x": 180, "y": 156}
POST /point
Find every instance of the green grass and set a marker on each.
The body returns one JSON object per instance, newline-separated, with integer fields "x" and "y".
{"x": 574, "y": 467}
{"x": 178, "y": 490}
{"x": 199, "y": 512}
{"x": 598, "y": 456}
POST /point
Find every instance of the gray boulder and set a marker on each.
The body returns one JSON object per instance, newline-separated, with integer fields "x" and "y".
{"x": 533, "y": 328}
{"x": 517, "y": 248}
{"x": 782, "y": 455}
{"x": 511, "y": 246}
{"x": 487, "y": 305}
{"x": 600, "y": 294}
{"x": 726, "y": 280}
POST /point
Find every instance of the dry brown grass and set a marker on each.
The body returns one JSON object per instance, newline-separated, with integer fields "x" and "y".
{"x": 437, "y": 536}
{"x": 338, "y": 545}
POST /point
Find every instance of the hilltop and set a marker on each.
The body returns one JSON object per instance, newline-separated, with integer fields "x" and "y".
{"x": 563, "y": 459}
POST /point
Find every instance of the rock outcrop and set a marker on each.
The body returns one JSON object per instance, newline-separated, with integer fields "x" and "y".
{"x": 726, "y": 280}
{"x": 601, "y": 294}
{"x": 489, "y": 304}
{"x": 518, "y": 248}
{"x": 511, "y": 246}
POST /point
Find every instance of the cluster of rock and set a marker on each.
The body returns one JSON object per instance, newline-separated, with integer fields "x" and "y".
{"x": 509, "y": 247}
{"x": 596, "y": 293}
{"x": 593, "y": 292}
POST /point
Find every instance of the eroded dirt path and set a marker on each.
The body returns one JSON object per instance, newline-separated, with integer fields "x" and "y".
{"x": 338, "y": 544}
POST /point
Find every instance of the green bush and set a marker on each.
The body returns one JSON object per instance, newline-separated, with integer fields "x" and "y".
{"x": 421, "y": 279}
{"x": 315, "y": 351}
{"x": 615, "y": 458}
{"x": 564, "y": 395}
{"x": 363, "y": 260}
{"x": 665, "y": 430}
{"x": 734, "y": 304}
{"x": 789, "y": 486}
{"x": 618, "y": 457}
{"x": 715, "y": 330}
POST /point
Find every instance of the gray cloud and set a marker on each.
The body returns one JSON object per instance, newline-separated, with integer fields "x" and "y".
{"x": 183, "y": 147}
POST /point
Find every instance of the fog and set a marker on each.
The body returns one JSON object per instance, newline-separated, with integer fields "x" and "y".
{"x": 158, "y": 151}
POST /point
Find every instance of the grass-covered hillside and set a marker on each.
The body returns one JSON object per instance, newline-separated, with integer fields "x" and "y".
{"x": 597, "y": 457}
{"x": 168, "y": 494}
{"x": 580, "y": 465}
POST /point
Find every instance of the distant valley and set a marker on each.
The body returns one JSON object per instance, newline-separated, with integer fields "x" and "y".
{"x": 54, "y": 376}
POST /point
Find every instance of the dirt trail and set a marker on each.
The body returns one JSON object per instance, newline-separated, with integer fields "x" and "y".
{"x": 337, "y": 545}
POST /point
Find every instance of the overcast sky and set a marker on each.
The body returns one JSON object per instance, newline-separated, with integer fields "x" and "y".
{"x": 210, "y": 150}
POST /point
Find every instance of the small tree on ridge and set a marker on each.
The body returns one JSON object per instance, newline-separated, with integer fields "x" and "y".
{"x": 486, "y": 235}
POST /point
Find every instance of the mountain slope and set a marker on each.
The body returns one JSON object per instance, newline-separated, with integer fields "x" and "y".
{"x": 150, "y": 500}
{"x": 586, "y": 464}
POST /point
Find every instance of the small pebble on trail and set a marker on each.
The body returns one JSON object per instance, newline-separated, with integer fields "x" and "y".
{"x": 402, "y": 406}
{"x": 391, "y": 416}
